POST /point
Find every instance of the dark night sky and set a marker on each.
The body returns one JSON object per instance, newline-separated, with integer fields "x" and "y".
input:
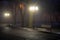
{"x": 52, "y": 4}
{"x": 49, "y": 5}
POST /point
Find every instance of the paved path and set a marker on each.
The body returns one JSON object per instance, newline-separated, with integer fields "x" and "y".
{"x": 30, "y": 34}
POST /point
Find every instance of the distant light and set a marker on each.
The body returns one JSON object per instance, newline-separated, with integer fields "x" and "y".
{"x": 22, "y": 5}
{"x": 6, "y": 14}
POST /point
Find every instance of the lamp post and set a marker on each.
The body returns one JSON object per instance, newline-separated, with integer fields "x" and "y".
{"x": 32, "y": 10}
{"x": 22, "y": 6}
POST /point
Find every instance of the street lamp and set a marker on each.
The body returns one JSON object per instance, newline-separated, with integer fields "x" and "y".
{"x": 32, "y": 10}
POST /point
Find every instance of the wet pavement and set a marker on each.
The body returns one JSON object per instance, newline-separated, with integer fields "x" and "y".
{"x": 27, "y": 34}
